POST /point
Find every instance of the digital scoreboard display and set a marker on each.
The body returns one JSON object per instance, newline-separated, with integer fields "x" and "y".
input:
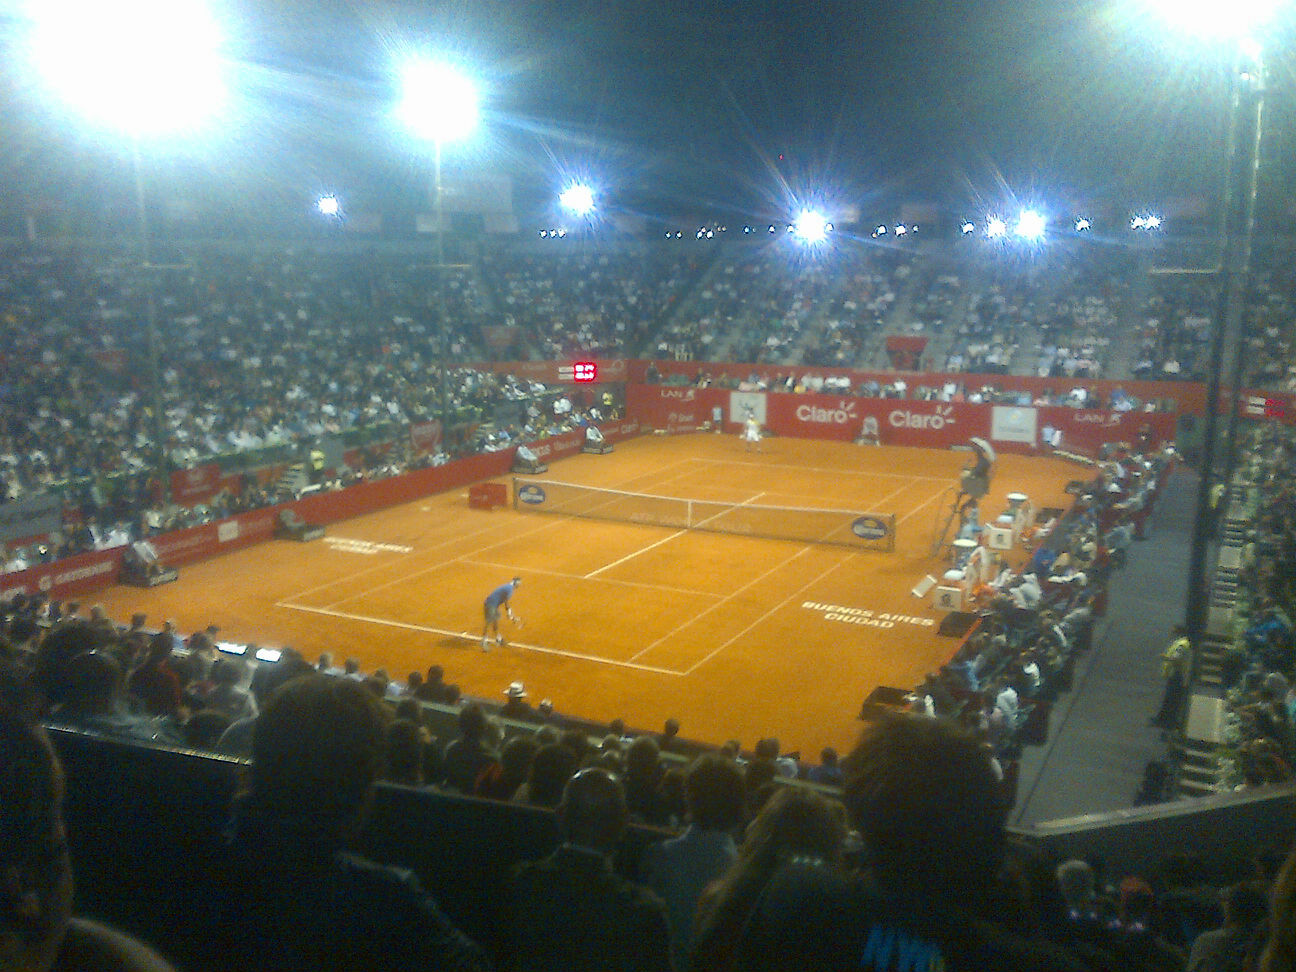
{"x": 579, "y": 371}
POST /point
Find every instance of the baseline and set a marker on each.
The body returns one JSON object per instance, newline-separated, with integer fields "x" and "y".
{"x": 429, "y": 629}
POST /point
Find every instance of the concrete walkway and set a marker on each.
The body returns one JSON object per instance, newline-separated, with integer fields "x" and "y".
{"x": 1099, "y": 739}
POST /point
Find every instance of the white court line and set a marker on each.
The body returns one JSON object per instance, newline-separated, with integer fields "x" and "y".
{"x": 673, "y": 536}
{"x": 601, "y": 580}
{"x": 732, "y": 594}
{"x": 706, "y": 658}
{"x": 635, "y": 553}
{"x": 920, "y": 506}
{"x": 471, "y": 639}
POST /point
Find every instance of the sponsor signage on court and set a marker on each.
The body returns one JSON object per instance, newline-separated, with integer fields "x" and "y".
{"x": 531, "y": 493}
{"x": 1009, "y": 423}
{"x": 865, "y": 617}
{"x": 870, "y": 528}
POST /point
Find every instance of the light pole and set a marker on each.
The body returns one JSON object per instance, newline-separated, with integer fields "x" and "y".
{"x": 140, "y": 68}
{"x": 1236, "y": 22}
{"x": 438, "y": 104}
{"x": 1241, "y": 174}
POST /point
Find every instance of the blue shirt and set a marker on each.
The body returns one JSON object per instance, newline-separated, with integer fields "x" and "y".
{"x": 500, "y": 595}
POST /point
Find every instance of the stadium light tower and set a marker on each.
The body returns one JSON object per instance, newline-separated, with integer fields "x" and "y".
{"x": 1229, "y": 20}
{"x": 577, "y": 199}
{"x": 438, "y": 104}
{"x": 811, "y": 227}
{"x": 1237, "y": 23}
{"x": 329, "y": 205}
{"x": 1030, "y": 226}
{"x": 145, "y": 70}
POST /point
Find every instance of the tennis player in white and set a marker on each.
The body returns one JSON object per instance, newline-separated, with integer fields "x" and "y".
{"x": 751, "y": 433}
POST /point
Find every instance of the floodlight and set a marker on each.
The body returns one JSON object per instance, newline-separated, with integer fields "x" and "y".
{"x": 1145, "y": 222}
{"x": 967, "y": 228}
{"x": 1082, "y": 224}
{"x": 1030, "y": 226}
{"x": 771, "y": 229}
{"x": 1233, "y": 20}
{"x": 995, "y": 227}
{"x": 901, "y": 229}
{"x": 880, "y": 231}
{"x": 811, "y": 227}
{"x": 145, "y": 67}
{"x": 577, "y": 199}
{"x": 438, "y": 102}
{"x": 328, "y": 205}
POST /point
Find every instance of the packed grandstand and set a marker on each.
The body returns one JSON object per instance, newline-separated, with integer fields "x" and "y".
{"x": 285, "y": 374}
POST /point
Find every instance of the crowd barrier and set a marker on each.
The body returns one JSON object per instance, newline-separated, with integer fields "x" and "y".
{"x": 86, "y": 573}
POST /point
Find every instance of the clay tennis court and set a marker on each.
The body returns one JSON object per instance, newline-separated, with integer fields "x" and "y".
{"x": 736, "y": 636}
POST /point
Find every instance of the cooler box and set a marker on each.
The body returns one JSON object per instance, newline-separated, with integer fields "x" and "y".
{"x": 487, "y": 496}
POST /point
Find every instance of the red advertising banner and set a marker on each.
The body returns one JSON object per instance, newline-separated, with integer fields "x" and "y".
{"x": 929, "y": 425}
{"x": 71, "y": 576}
{"x": 1088, "y": 430}
{"x": 905, "y": 422}
{"x": 425, "y": 437}
{"x": 197, "y": 485}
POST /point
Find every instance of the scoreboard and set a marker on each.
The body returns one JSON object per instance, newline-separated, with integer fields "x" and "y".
{"x": 578, "y": 371}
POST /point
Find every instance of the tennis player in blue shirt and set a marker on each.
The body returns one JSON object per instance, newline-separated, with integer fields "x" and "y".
{"x": 496, "y": 601}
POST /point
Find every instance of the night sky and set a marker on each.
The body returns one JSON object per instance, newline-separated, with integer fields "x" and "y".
{"x": 676, "y": 107}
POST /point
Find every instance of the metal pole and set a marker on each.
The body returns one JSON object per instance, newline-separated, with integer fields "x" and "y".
{"x": 160, "y": 460}
{"x": 1238, "y": 321}
{"x": 1238, "y": 217}
{"x": 444, "y": 343}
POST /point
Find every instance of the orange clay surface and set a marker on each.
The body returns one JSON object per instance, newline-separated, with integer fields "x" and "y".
{"x": 734, "y": 636}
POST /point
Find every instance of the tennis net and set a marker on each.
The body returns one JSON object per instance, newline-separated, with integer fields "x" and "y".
{"x": 847, "y": 528}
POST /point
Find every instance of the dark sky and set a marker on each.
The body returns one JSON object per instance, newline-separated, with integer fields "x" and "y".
{"x": 678, "y": 106}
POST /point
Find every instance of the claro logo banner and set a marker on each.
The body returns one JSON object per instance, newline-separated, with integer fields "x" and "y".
{"x": 936, "y": 419}
{"x": 841, "y": 413}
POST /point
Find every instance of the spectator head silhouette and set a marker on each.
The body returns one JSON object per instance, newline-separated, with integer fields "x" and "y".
{"x": 929, "y": 809}
{"x": 35, "y": 871}
{"x": 317, "y": 750}
{"x": 714, "y": 793}
{"x": 593, "y": 810}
